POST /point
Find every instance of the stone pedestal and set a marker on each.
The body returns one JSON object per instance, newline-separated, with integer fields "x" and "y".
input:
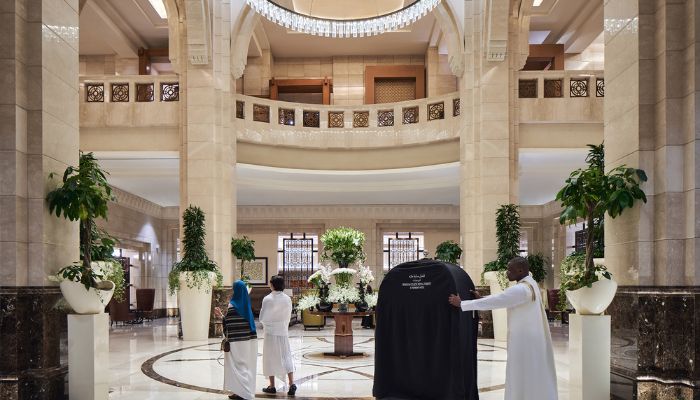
{"x": 88, "y": 356}
{"x": 589, "y": 357}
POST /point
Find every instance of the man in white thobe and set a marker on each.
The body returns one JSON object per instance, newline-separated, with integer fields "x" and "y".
{"x": 275, "y": 314}
{"x": 530, "y": 372}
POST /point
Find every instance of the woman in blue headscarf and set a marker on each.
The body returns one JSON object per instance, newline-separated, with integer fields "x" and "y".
{"x": 240, "y": 363}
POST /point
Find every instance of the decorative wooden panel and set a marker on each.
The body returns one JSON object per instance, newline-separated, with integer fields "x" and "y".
{"x": 261, "y": 113}
{"x": 599, "y": 87}
{"x": 169, "y": 91}
{"x": 144, "y": 92}
{"x": 240, "y": 107}
{"x": 94, "y": 92}
{"x": 553, "y": 88}
{"x": 336, "y": 119}
{"x": 436, "y": 111}
{"x": 385, "y": 118}
{"x": 360, "y": 119}
{"x": 527, "y": 88}
{"x": 120, "y": 92}
{"x": 392, "y": 90}
{"x": 578, "y": 87}
{"x": 312, "y": 119}
{"x": 410, "y": 115}
{"x": 286, "y": 116}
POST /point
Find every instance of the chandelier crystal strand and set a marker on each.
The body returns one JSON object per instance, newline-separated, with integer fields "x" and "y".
{"x": 343, "y": 28}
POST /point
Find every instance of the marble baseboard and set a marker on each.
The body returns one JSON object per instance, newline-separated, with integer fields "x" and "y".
{"x": 655, "y": 343}
{"x": 34, "y": 341}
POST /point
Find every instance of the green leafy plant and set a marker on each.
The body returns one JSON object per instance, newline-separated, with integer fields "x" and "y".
{"x": 448, "y": 251}
{"x": 344, "y": 246}
{"x": 537, "y": 266}
{"x": 574, "y": 276}
{"x": 83, "y": 196}
{"x": 102, "y": 250}
{"x": 591, "y": 193}
{"x": 243, "y": 249}
{"x": 195, "y": 259}
{"x": 508, "y": 239}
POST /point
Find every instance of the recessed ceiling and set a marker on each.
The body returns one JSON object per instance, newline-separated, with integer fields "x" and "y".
{"x": 542, "y": 172}
{"x": 411, "y": 40}
{"x": 346, "y": 9}
{"x": 573, "y": 23}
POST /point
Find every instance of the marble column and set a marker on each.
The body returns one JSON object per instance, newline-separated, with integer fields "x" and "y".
{"x": 38, "y": 135}
{"x": 489, "y": 130}
{"x": 651, "y": 122}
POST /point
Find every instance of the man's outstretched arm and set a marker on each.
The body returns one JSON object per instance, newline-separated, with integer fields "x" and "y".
{"x": 511, "y": 297}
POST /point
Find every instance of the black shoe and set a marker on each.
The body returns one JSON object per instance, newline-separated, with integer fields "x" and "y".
{"x": 235, "y": 397}
{"x": 292, "y": 390}
{"x": 270, "y": 389}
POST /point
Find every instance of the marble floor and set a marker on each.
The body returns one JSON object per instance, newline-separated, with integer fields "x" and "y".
{"x": 149, "y": 362}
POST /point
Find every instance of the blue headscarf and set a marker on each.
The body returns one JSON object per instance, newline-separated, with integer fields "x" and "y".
{"x": 240, "y": 301}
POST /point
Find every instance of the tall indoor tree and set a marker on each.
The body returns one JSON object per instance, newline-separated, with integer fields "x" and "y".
{"x": 590, "y": 193}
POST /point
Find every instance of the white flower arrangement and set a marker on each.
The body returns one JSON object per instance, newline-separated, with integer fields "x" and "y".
{"x": 365, "y": 275}
{"x": 322, "y": 275}
{"x": 343, "y": 276}
{"x": 307, "y": 302}
{"x": 371, "y": 299}
{"x": 343, "y": 294}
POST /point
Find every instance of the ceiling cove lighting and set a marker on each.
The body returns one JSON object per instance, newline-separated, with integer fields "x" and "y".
{"x": 159, "y": 7}
{"x": 342, "y": 28}
{"x": 537, "y": 3}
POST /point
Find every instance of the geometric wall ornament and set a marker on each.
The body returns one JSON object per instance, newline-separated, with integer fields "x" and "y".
{"x": 553, "y": 88}
{"x": 410, "y": 115}
{"x": 385, "y": 118}
{"x": 599, "y": 87}
{"x": 286, "y": 116}
{"x": 527, "y": 88}
{"x": 169, "y": 91}
{"x": 312, "y": 119}
{"x": 436, "y": 111}
{"x": 120, "y": 92}
{"x": 144, "y": 92}
{"x": 261, "y": 113}
{"x": 360, "y": 119}
{"x": 336, "y": 119}
{"x": 240, "y": 106}
{"x": 578, "y": 87}
{"x": 95, "y": 92}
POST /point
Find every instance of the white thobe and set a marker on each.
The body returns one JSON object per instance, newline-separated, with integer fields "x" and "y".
{"x": 275, "y": 314}
{"x": 240, "y": 365}
{"x": 530, "y": 372}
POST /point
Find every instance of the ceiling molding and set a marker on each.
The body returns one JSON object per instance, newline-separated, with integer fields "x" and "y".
{"x": 449, "y": 26}
{"x": 114, "y": 17}
{"x": 350, "y": 212}
{"x": 588, "y": 28}
{"x": 150, "y": 14}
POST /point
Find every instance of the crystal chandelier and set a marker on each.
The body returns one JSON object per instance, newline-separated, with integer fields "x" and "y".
{"x": 343, "y": 28}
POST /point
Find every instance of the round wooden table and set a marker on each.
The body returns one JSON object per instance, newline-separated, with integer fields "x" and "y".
{"x": 342, "y": 346}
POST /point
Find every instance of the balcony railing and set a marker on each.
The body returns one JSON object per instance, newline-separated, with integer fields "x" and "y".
{"x": 130, "y": 89}
{"x": 561, "y": 84}
{"x": 391, "y": 115}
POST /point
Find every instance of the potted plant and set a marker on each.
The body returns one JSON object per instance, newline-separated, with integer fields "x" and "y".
{"x": 343, "y": 246}
{"x": 508, "y": 239}
{"x": 537, "y": 267}
{"x": 589, "y": 194}
{"x": 448, "y": 251}
{"x": 104, "y": 261}
{"x": 83, "y": 196}
{"x": 244, "y": 250}
{"x": 193, "y": 277}
{"x": 342, "y": 292}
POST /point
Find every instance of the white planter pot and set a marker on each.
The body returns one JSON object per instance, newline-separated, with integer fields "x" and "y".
{"x": 593, "y": 300}
{"x": 500, "y": 316}
{"x": 195, "y": 307}
{"x": 86, "y": 301}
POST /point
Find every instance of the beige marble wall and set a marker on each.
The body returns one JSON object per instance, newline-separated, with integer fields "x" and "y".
{"x": 39, "y": 135}
{"x": 592, "y": 57}
{"x": 151, "y": 229}
{"x": 347, "y": 73}
{"x": 650, "y": 123}
{"x": 439, "y": 79}
{"x": 108, "y": 65}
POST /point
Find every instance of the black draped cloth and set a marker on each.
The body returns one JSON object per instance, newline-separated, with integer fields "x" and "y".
{"x": 424, "y": 347}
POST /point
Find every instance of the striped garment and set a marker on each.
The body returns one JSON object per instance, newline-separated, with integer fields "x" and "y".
{"x": 236, "y": 328}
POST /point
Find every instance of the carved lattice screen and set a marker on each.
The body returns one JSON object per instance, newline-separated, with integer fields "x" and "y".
{"x": 390, "y": 90}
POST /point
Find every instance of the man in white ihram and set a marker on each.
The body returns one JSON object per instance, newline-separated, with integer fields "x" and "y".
{"x": 530, "y": 373}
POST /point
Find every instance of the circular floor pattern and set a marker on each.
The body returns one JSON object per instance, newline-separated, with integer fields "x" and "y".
{"x": 200, "y": 368}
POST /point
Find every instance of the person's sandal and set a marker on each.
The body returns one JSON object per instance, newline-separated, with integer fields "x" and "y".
{"x": 270, "y": 389}
{"x": 292, "y": 390}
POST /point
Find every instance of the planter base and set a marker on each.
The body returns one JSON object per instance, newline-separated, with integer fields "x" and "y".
{"x": 88, "y": 357}
{"x": 589, "y": 357}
